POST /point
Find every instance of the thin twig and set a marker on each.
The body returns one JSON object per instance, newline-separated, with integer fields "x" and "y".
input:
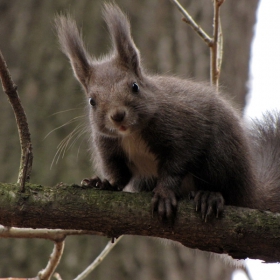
{"x": 57, "y": 276}
{"x": 25, "y": 140}
{"x": 54, "y": 260}
{"x": 99, "y": 259}
{"x": 50, "y": 234}
{"x": 217, "y": 46}
{"x": 189, "y": 20}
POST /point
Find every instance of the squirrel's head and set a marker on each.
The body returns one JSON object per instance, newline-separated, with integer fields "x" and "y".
{"x": 120, "y": 97}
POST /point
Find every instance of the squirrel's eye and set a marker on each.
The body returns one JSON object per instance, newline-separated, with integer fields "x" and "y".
{"x": 92, "y": 102}
{"x": 135, "y": 87}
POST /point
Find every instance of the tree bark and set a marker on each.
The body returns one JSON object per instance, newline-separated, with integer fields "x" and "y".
{"x": 117, "y": 213}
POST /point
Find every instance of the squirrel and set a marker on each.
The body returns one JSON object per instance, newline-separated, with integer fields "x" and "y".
{"x": 172, "y": 136}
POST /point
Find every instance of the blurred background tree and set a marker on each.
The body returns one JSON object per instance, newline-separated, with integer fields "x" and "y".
{"x": 48, "y": 90}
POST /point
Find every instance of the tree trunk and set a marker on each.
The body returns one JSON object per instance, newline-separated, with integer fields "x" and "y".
{"x": 46, "y": 86}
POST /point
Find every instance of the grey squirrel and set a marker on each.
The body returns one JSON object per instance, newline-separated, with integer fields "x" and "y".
{"x": 168, "y": 135}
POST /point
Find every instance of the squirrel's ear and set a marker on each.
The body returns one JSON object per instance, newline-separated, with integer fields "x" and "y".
{"x": 72, "y": 45}
{"x": 119, "y": 29}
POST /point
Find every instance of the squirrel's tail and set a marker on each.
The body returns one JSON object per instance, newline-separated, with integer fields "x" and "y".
{"x": 265, "y": 141}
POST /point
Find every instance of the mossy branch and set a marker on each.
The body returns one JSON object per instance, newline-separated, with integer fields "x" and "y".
{"x": 240, "y": 233}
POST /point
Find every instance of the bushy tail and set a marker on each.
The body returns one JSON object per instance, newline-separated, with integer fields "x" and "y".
{"x": 265, "y": 140}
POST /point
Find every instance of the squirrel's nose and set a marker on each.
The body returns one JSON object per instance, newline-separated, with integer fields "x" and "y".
{"x": 118, "y": 116}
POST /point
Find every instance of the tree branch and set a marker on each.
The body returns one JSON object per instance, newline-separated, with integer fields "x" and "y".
{"x": 54, "y": 260}
{"x": 116, "y": 213}
{"x": 42, "y": 233}
{"x": 24, "y": 135}
{"x": 189, "y": 20}
{"x": 110, "y": 245}
{"x": 217, "y": 46}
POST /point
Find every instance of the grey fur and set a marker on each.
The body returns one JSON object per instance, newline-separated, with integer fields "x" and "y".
{"x": 265, "y": 139}
{"x": 173, "y": 136}
{"x": 73, "y": 46}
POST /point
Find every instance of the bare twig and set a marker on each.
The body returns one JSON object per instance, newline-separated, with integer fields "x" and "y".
{"x": 12, "y": 278}
{"x": 25, "y": 140}
{"x": 54, "y": 260}
{"x": 189, "y": 20}
{"x": 215, "y": 44}
{"x": 99, "y": 259}
{"x": 50, "y": 234}
{"x": 57, "y": 276}
{"x": 56, "y": 235}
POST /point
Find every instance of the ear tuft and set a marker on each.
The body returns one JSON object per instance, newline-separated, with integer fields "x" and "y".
{"x": 73, "y": 46}
{"x": 119, "y": 29}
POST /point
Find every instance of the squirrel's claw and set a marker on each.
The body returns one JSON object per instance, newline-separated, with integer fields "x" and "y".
{"x": 97, "y": 183}
{"x": 208, "y": 203}
{"x": 164, "y": 202}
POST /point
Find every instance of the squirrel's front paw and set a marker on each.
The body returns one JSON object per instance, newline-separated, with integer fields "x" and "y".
{"x": 97, "y": 183}
{"x": 164, "y": 202}
{"x": 208, "y": 203}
